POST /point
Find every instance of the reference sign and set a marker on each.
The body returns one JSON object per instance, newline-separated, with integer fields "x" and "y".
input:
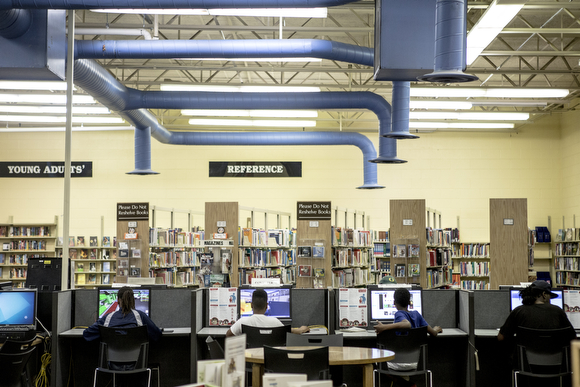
{"x": 255, "y": 169}
{"x": 132, "y": 211}
{"x": 45, "y": 169}
{"x": 313, "y": 211}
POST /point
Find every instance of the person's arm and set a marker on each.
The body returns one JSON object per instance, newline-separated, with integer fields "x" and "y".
{"x": 229, "y": 333}
{"x": 153, "y": 330}
{"x": 404, "y": 324}
{"x": 433, "y": 331}
{"x": 500, "y": 337}
{"x": 92, "y": 332}
{"x": 302, "y": 329}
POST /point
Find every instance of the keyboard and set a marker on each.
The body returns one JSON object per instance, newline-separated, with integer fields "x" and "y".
{"x": 16, "y": 334}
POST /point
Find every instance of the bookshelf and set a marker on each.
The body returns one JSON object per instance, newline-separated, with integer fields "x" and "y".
{"x": 21, "y": 241}
{"x": 381, "y": 258}
{"x": 508, "y": 241}
{"x": 472, "y": 263}
{"x": 567, "y": 258}
{"x": 266, "y": 252}
{"x": 540, "y": 251}
{"x": 93, "y": 266}
{"x": 132, "y": 241}
{"x": 439, "y": 255}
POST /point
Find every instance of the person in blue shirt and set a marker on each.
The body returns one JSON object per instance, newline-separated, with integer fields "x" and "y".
{"x": 125, "y": 317}
{"x": 405, "y": 319}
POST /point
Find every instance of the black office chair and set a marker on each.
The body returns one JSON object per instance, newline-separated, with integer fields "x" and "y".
{"x": 12, "y": 368}
{"x": 543, "y": 353}
{"x": 215, "y": 349}
{"x": 124, "y": 352}
{"x": 257, "y": 337}
{"x": 20, "y": 346}
{"x": 410, "y": 346}
{"x": 312, "y": 362}
{"x": 293, "y": 340}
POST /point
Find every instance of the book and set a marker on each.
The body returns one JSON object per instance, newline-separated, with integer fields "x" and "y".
{"x": 92, "y": 279}
{"x": 106, "y": 266}
{"x": 81, "y": 241}
{"x": 135, "y": 272}
{"x": 72, "y": 253}
{"x": 401, "y": 251}
{"x": 92, "y": 266}
{"x": 282, "y": 380}
{"x": 106, "y": 241}
{"x": 106, "y": 279}
{"x": 414, "y": 269}
{"x": 71, "y": 241}
{"x": 136, "y": 253}
{"x": 81, "y": 279}
{"x": 413, "y": 251}
{"x": 93, "y": 241}
{"x": 80, "y": 266}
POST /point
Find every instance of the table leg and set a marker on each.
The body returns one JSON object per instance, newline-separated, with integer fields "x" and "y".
{"x": 257, "y": 371}
{"x": 367, "y": 375}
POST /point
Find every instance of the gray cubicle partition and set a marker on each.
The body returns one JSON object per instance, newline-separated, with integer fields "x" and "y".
{"x": 85, "y": 307}
{"x": 171, "y": 308}
{"x": 491, "y": 308}
{"x": 309, "y": 307}
{"x": 61, "y": 321}
{"x": 466, "y": 324}
{"x": 440, "y": 307}
{"x": 197, "y": 319}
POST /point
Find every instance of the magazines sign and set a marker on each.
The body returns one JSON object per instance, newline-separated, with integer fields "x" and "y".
{"x": 313, "y": 211}
{"x": 255, "y": 169}
{"x": 132, "y": 211}
{"x": 45, "y": 169}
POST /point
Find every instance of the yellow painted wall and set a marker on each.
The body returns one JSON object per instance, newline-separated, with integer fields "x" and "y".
{"x": 570, "y": 182}
{"x": 457, "y": 174}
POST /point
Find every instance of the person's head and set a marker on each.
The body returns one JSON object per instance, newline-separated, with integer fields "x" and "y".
{"x": 126, "y": 299}
{"x": 538, "y": 291}
{"x": 402, "y": 298}
{"x": 387, "y": 280}
{"x": 259, "y": 301}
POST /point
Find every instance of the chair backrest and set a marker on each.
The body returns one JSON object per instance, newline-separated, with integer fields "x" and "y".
{"x": 13, "y": 346}
{"x": 312, "y": 362}
{"x": 409, "y": 345}
{"x": 538, "y": 349}
{"x": 124, "y": 345}
{"x": 12, "y": 366}
{"x": 257, "y": 337}
{"x": 215, "y": 349}
{"x": 293, "y": 340}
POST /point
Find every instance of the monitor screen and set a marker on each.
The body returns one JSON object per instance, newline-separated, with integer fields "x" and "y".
{"x": 382, "y": 305}
{"x": 108, "y": 300}
{"x": 18, "y": 308}
{"x": 278, "y": 302}
{"x": 516, "y": 301}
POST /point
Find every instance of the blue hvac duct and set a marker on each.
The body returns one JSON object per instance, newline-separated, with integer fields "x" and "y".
{"x": 14, "y": 23}
{"x": 401, "y": 99}
{"x": 110, "y": 92}
{"x": 450, "y": 46}
{"x": 160, "y": 4}
{"x": 269, "y": 48}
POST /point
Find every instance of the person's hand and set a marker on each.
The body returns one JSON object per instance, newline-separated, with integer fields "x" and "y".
{"x": 379, "y": 327}
{"x": 304, "y": 329}
{"x": 438, "y": 329}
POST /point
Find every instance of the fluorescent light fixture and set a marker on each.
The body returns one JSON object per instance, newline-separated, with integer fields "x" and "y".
{"x": 495, "y": 18}
{"x": 448, "y": 105}
{"x": 58, "y": 119}
{"x": 480, "y": 116}
{"x": 459, "y": 125}
{"x": 59, "y": 99}
{"x": 62, "y": 129}
{"x": 250, "y": 113}
{"x": 241, "y": 89}
{"x": 473, "y": 92}
{"x": 260, "y": 12}
{"x": 32, "y": 85}
{"x": 305, "y": 59}
{"x": 272, "y": 123}
{"x": 53, "y": 109}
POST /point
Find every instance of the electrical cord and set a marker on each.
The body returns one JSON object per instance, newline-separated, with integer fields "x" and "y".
{"x": 43, "y": 377}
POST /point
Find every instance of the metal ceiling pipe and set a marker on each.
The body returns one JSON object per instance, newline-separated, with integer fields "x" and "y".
{"x": 450, "y": 43}
{"x": 14, "y": 23}
{"x": 262, "y": 48}
{"x": 112, "y": 31}
{"x": 110, "y": 92}
{"x": 387, "y": 148}
{"x": 401, "y": 98}
{"x": 167, "y": 4}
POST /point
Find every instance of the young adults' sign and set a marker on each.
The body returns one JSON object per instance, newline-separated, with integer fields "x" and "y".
{"x": 44, "y": 169}
{"x": 313, "y": 211}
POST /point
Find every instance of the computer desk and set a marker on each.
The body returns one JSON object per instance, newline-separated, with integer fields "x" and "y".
{"x": 495, "y": 363}
{"x": 172, "y": 352}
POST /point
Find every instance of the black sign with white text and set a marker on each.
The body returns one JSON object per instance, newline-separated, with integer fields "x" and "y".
{"x": 255, "y": 169}
{"x": 313, "y": 211}
{"x": 132, "y": 211}
{"x": 44, "y": 169}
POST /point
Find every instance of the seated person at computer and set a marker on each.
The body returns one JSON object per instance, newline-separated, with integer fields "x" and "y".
{"x": 536, "y": 312}
{"x": 126, "y": 317}
{"x": 258, "y": 318}
{"x": 405, "y": 318}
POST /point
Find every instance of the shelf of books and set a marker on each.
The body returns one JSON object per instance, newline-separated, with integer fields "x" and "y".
{"x": 567, "y": 258}
{"x": 405, "y": 260}
{"x": 267, "y": 254}
{"x": 21, "y": 242}
{"x": 471, "y": 265}
{"x": 352, "y": 251}
{"x": 175, "y": 255}
{"x": 94, "y": 265}
{"x": 439, "y": 265}
{"x": 381, "y": 259}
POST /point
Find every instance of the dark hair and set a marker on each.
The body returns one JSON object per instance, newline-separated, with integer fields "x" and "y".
{"x": 402, "y": 297}
{"x": 259, "y": 299}
{"x": 530, "y": 294}
{"x": 126, "y": 299}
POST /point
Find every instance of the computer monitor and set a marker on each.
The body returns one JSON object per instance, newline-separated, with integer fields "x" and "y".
{"x": 107, "y": 301}
{"x": 382, "y": 303}
{"x": 18, "y": 308}
{"x": 516, "y": 301}
{"x": 279, "y": 302}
